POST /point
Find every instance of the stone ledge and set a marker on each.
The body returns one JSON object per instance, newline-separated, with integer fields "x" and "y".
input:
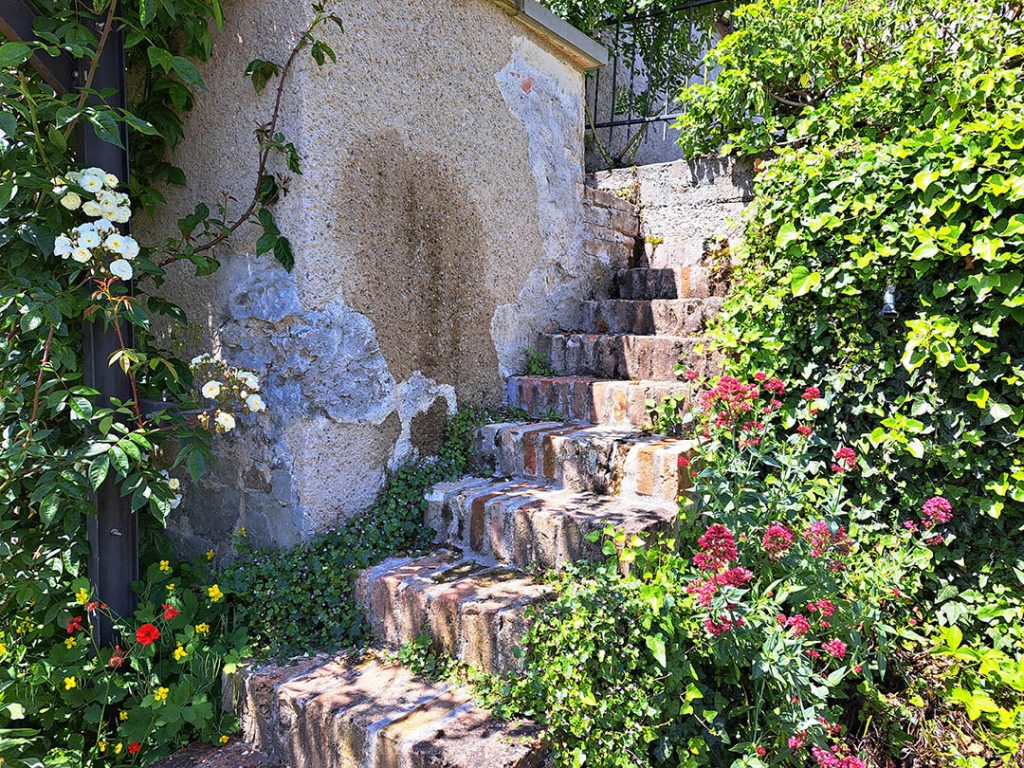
{"x": 583, "y": 49}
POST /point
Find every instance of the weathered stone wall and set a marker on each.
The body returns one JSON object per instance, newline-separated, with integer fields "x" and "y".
{"x": 436, "y": 229}
{"x": 688, "y": 205}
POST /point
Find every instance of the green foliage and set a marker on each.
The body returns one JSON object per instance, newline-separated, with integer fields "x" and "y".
{"x": 537, "y": 364}
{"x": 301, "y": 599}
{"x": 64, "y": 263}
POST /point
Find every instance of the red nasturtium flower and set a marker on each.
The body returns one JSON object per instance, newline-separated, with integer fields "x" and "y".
{"x": 147, "y": 634}
{"x": 134, "y": 747}
{"x": 169, "y": 611}
{"x": 74, "y": 624}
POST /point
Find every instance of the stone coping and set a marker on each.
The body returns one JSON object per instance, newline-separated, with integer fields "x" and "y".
{"x": 582, "y": 48}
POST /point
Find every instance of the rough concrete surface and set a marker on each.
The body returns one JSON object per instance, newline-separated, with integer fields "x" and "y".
{"x": 435, "y": 229}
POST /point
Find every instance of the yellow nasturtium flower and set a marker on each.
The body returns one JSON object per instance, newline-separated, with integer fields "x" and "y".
{"x": 118, "y": 747}
{"x": 82, "y": 596}
{"x": 122, "y": 715}
{"x": 202, "y": 629}
{"x": 215, "y": 594}
{"x": 70, "y": 643}
{"x": 165, "y": 565}
{"x": 180, "y": 653}
{"x": 223, "y": 739}
{"x": 161, "y": 694}
{"x": 69, "y": 683}
{"x": 210, "y": 554}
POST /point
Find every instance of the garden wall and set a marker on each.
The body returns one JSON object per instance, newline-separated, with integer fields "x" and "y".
{"x": 436, "y": 229}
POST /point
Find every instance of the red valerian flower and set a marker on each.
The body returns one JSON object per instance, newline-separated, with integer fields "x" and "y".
{"x": 805, "y": 430}
{"x": 936, "y": 511}
{"x": 722, "y": 625}
{"x": 775, "y": 386}
{"x": 845, "y": 459}
{"x": 795, "y": 742}
{"x": 74, "y": 624}
{"x": 777, "y": 539}
{"x": 718, "y": 547}
{"x": 761, "y": 751}
{"x": 825, "y": 607}
{"x": 147, "y": 634}
{"x": 798, "y": 624}
{"x": 836, "y": 648}
{"x": 691, "y": 375}
{"x": 935, "y": 540}
{"x": 811, "y": 393}
{"x": 134, "y": 747}
{"x": 683, "y": 462}
{"x": 169, "y": 611}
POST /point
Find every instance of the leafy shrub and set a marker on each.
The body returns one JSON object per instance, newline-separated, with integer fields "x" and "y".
{"x": 301, "y": 599}
{"x": 881, "y": 261}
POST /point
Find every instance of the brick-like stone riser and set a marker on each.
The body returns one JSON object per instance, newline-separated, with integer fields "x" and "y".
{"x": 668, "y": 317}
{"x": 367, "y": 713}
{"x": 681, "y": 282}
{"x": 585, "y": 399}
{"x": 528, "y": 524}
{"x": 473, "y": 612}
{"x": 616, "y": 356}
{"x": 593, "y": 459}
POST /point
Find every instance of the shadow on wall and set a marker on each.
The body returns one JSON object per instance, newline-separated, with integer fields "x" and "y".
{"x": 419, "y": 272}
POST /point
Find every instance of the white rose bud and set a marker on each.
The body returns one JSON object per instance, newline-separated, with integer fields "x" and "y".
{"x": 81, "y": 255}
{"x": 110, "y": 180}
{"x": 121, "y": 268}
{"x": 91, "y": 208}
{"x": 211, "y": 389}
{"x": 174, "y": 484}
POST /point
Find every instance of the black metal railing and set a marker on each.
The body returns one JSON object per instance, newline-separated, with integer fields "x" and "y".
{"x": 653, "y": 56}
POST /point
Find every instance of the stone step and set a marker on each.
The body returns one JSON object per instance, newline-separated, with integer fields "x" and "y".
{"x": 586, "y": 399}
{"x": 667, "y": 317}
{"x": 472, "y": 612}
{"x": 596, "y": 459}
{"x": 233, "y": 755}
{"x": 682, "y": 282}
{"x": 622, "y": 356}
{"x": 366, "y": 712}
{"x": 528, "y": 524}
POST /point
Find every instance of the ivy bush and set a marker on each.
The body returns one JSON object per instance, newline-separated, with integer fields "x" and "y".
{"x": 65, "y": 261}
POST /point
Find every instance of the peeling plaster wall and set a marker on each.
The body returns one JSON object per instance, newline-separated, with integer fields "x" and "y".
{"x": 436, "y": 230}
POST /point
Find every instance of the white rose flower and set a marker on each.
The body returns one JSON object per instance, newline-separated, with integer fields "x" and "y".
{"x": 81, "y": 255}
{"x": 203, "y": 358}
{"x": 211, "y": 389}
{"x": 175, "y": 502}
{"x": 103, "y": 226}
{"x": 71, "y": 201}
{"x": 110, "y": 180}
{"x": 62, "y": 246}
{"x": 249, "y": 380}
{"x": 122, "y": 269}
{"x": 121, "y": 215}
{"x": 255, "y": 404}
{"x": 131, "y": 248}
{"x": 115, "y": 243}
{"x": 88, "y": 237}
{"x": 91, "y": 208}
{"x": 91, "y": 183}
{"x": 225, "y": 421}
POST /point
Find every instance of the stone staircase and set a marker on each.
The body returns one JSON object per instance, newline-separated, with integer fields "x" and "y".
{"x": 544, "y": 485}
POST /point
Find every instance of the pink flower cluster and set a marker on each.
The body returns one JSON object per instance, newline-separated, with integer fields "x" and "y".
{"x": 936, "y": 511}
{"x": 844, "y": 460}
{"x": 717, "y": 628}
{"x": 718, "y": 548}
{"x": 823, "y": 542}
{"x": 798, "y": 623}
{"x": 831, "y": 759}
{"x": 777, "y": 540}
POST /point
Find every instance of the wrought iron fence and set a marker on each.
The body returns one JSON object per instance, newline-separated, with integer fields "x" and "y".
{"x": 653, "y": 55}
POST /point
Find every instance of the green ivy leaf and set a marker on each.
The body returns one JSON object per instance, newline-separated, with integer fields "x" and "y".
{"x": 803, "y": 281}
